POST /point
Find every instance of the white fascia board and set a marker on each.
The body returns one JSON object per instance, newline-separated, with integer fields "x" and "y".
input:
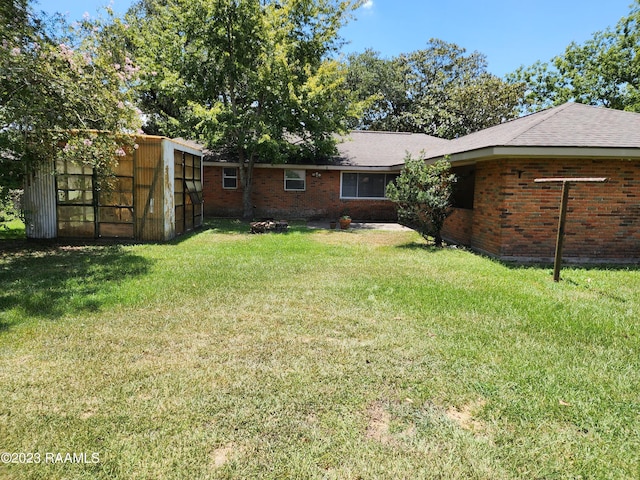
{"x": 490, "y": 153}
{"x": 183, "y": 147}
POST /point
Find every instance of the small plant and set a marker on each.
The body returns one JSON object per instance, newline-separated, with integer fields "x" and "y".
{"x": 345, "y": 222}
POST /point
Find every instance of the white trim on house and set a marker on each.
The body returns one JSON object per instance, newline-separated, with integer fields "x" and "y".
{"x": 489, "y": 153}
{"x": 182, "y": 146}
{"x": 228, "y": 177}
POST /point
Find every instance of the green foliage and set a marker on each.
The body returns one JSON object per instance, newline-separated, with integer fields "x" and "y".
{"x": 10, "y": 203}
{"x": 244, "y": 77}
{"x": 422, "y": 194}
{"x": 379, "y": 83}
{"x": 605, "y": 70}
{"x": 440, "y": 90}
{"x": 58, "y": 80}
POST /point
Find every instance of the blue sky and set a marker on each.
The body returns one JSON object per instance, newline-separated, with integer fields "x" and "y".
{"x": 509, "y": 32}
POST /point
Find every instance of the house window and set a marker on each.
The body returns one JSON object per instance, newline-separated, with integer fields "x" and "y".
{"x": 366, "y": 185}
{"x": 295, "y": 180}
{"x": 464, "y": 188}
{"x": 230, "y": 178}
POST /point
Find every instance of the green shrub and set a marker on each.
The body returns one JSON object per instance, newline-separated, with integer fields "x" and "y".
{"x": 10, "y": 205}
{"x": 422, "y": 194}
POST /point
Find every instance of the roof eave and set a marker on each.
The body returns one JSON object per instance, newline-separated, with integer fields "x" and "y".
{"x": 490, "y": 153}
{"x": 293, "y": 166}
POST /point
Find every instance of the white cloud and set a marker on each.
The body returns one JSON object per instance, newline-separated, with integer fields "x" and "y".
{"x": 368, "y": 4}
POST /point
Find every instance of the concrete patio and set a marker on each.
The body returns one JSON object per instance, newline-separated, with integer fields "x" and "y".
{"x": 355, "y": 225}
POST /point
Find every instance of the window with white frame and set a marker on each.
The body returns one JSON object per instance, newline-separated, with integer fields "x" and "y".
{"x": 230, "y": 178}
{"x": 366, "y": 185}
{"x": 295, "y": 180}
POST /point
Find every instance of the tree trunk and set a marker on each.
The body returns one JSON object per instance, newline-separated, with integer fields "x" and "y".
{"x": 437, "y": 238}
{"x": 247, "y": 204}
{"x": 246, "y": 179}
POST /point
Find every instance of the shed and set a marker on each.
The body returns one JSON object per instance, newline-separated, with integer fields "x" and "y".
{"x": 157, "y": 195}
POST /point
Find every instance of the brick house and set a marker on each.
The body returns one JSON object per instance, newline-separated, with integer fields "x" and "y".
{"x": 502, "y": 212}
{"x": 499, "y": 210}
{"x": 353, "y": 182}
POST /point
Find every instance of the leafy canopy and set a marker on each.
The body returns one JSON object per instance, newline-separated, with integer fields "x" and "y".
{"x": 244, "y": 75}
{"x": 249, "y": 78}
{"x": 63, "y": 91}
{"x": 440, "y": 90}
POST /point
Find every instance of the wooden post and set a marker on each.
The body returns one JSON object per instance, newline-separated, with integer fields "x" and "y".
{"x": 562, "y": 221}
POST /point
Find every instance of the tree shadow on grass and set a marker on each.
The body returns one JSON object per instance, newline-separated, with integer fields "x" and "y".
{"x": 51, "y": 281}
{"x": 422, "y": 247}
{"x": 569, "y": 266}
{"x": 225, "y": 226}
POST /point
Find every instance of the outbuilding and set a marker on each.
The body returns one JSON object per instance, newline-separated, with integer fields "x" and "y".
{"x": 156, "y": 195}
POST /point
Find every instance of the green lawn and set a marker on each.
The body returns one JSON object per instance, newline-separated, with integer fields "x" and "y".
{"x": 315, "y": 354}
{"x": 12, "y": 230}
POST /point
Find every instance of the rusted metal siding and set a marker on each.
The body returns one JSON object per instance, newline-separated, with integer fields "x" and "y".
{"x": 148, "y": 190}
{"x": 156, "y": 194}
{"x": 40, "y": 203}
{"x": 116, "y": 217}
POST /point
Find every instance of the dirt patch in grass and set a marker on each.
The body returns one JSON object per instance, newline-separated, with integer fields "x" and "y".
{"x": 379, "y": 423}
{"x": 379, "y": 427}
{"x": 465, "y": 416}
{"x": 223, "y": 455}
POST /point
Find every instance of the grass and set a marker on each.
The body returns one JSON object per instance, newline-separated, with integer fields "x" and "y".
{"x": 12, "y": 230}
{"x": 315, "y": 354}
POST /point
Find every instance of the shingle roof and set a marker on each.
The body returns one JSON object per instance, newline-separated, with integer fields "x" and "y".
{"x": 363, "y": 148}
{"x": 366, "y": 149}
{"x": 569, "y": 125}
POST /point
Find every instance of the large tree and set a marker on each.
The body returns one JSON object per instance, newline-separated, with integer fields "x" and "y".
{"x": 63, "y": 92}
{"x": 253, "y": 79}
{"x": 604, "y": 70}
{"x": 382, "y": 85}
{"x": 440, "y": 90}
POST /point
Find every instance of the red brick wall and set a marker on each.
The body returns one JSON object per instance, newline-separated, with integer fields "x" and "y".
{"x": 458, "y": 227}
{"x": 321, "y": 199}
{"x": 515, "y": 217}
{"x": 219, "y": 202}
{"x": 486, "y": 233}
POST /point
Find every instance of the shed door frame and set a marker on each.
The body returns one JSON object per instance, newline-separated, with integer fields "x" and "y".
{"x": 187, "y": 191}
